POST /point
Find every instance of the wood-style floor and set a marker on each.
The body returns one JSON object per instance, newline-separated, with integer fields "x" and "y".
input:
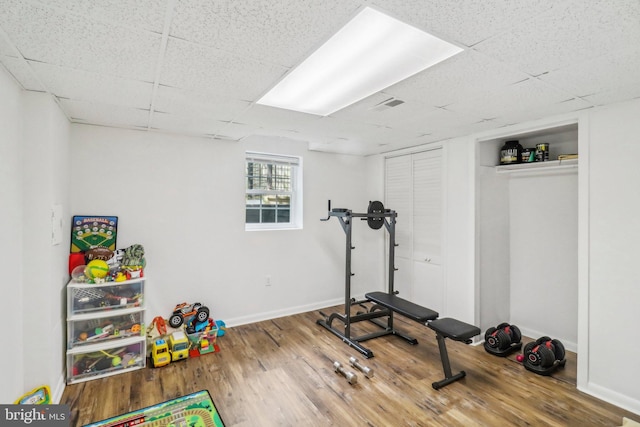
{"x": 280, "y": 373}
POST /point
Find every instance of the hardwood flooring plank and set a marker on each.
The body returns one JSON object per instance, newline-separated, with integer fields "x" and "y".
{"x": 280, "y": 373}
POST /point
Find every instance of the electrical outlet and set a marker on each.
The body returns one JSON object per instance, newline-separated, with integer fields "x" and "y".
{"x": 268, "y": 281}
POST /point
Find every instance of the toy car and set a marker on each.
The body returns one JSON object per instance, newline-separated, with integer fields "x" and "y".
{"x": 160, "y": 355}
{"x": 185, "y": 311}
{"x": 178, "y": 346}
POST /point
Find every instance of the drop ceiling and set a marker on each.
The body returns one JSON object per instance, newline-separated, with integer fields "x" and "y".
{"x": 197, "y": 67}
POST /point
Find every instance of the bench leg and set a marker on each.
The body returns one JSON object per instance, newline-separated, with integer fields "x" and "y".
{"x": 446, "y": 366}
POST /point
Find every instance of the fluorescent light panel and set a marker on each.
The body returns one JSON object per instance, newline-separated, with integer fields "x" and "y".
{"x": 372, "y": 52}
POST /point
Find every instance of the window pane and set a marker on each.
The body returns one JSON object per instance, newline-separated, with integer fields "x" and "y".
{"x": 284, "y": 215}
{"x": 268, "y": 215}
{"x": 252, "y": 216}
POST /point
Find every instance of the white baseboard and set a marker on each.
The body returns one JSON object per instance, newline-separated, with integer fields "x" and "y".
{"x": 268, "y": 315}
{"x": 568, "y": 345}
{"x": 610, "y": 396}
{"x": 56, "y": 393}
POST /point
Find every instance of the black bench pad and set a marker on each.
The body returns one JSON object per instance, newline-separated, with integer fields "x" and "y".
{"x": 402, "y": 306}
{"x": 454, "y": 329}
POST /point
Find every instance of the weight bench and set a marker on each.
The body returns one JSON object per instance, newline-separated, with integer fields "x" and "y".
{"x": 457, "y": 331}
{"x": 444, "y": 328}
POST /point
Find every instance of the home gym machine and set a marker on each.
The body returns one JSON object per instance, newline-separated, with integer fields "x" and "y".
{"x": 385, "y": 304}
{"x": 377, "y": 217}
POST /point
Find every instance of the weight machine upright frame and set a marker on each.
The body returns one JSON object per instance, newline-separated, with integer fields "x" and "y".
{"x": 345, "y": 217}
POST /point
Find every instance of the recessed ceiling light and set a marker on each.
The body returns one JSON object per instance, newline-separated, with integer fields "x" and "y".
{"x": 370, "y": 53}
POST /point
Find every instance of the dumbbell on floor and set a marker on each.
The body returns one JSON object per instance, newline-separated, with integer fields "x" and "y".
{"x": 368, "y": 372}
{"x": 350, "y": 376}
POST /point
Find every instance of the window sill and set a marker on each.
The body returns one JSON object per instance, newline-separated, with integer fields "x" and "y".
{"x": 262, "y": 228}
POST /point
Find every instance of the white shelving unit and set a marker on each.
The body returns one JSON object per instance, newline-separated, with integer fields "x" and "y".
{"x": 105, "y": 329}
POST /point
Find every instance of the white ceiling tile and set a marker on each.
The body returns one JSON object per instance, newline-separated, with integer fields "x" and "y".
{"x": 275, "y": 118}
{"x": 103, "y": 114}
{"x": 144, "y": 14}
{"x": 236, "y": 131}
{"x": 20, "y": 71}
{"x": 466, "y": 75}
{"x": 331, "y": 128}
{"x": 282, "y": 32}
{"x": 438, "y": 119}
{"x": 189, "y": 102}
{"x": 47, "y": 35}
{"x": 190, "y": 66}
{"x": 619, "y": 94}
{"x": 201, "y": 124}
{"x": 6, "y": 47}
{"x": 465, "y": 21}
{"x": 520, "y": 97}
{"x": 615, "y": 69}
{"x": 572, "y": 33}
{"x": 87, "y": 86}
{"x": 544, "y": 110}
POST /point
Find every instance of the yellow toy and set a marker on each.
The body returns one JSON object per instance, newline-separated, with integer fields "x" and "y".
{"x": 96, "y": 269}
{"x": 37, "y": 396}
{"x": 179, "y": 346}
{"x": 160, "y": 353}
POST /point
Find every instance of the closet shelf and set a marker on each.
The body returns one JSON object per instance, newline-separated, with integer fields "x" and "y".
{"x": 539, "y": 167}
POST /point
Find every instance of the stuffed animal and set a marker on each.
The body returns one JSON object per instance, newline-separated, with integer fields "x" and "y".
{"x": 133, "y": 257}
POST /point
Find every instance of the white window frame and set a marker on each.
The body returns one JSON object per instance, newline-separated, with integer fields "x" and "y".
{"x": 295, "y": 214}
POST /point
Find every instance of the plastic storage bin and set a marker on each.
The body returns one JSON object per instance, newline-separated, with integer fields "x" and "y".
{"x": 88, "y": 298}
{"x": 100, "y": 360}
{"x": 93, "y": 328}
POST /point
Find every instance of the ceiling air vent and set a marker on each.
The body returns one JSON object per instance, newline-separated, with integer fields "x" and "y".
{"x": 386, "y": 104}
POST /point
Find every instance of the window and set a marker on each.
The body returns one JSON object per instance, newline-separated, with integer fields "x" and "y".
{"x": 273, "y": 191}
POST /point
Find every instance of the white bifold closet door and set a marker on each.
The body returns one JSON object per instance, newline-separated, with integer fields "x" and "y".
{"x": 414, "y": 189}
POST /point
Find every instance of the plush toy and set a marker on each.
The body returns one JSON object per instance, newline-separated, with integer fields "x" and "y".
{"x": 134, "y": 257}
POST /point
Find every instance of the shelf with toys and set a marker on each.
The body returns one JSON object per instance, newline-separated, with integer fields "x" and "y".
{"x": 105, "y": 329}
{"x": 105, "y": 303}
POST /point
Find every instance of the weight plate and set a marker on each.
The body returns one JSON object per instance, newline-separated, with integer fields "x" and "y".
{"x": 375, "y": 207}
{"x": 558, "y": 349}
{"x": 516, "y": 335}
{"x": 490, "y": 331}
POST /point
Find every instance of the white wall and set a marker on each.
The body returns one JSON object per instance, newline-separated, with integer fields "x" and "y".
{"x": 11, "y": 362}
{"x": 458, "y": 228}
{"x": 543, "y": 252}
{"x": 183, "y": 199}
{"x": 614, "y": 248}
{"x": 45, "y": 175}
{"x": 34, "y": 174}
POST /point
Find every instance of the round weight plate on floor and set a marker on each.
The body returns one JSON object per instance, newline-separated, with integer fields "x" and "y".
{"x": 558, "y": 349}
{"x": 547, "y": 356}
{"x": 516, "y": 334}
{"x": 542, "y": 340}
{"x": 503, "y": 339}
{"x": 528, "y": 347}
{"x": 375, "y": 207}
{"x": 489, "y": 332}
